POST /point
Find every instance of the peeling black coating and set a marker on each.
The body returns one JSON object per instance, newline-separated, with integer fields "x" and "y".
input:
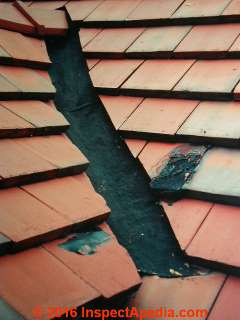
{"x": 178, "y": 169}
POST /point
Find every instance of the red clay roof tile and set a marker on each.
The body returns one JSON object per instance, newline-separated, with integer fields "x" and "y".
{"x": 87, "y": 34}
{"x": 28, "y": 81}
{"x": 113, "y": 42}
{"x": 156, "y": 40}
{"x": 217, "y": 174}
{"x": 47, "y": 22}
{"x": 25, "y": 160}
{"x": 218, "y": 237}
{"x": 185, "y": 217}
{"x": 179, "y": 293}
{"x": 31, "y": 220}
{"x": 50, "y": 5}
{"x": 158, "y": 117}
{"x": 135, "y": 146}
{"x": 40, "y": 116}
{"x": 208, "y": 76}
{"x": 111, "y": 74}
{"x": 227, "y": 302}
{"x": 91, "y": 63}
{"x": 203, "y": 8}
{"x": 13, "y": 125}
{"x": 233, "y": 9}
{"x": 214, "y": 119}
{"x": 157, "y": 75}
{"x": 208, "y": 40}
{"x": 115, "y": 270}
{"x": 79, "y": 10}
{"x": 154, "y": 9}
{"x": 113, "y": 10}
{"x": 12, "y": 19}
{"x": 120, "y": 108}
{"x": 58, "y": 150}
{"x": 24, "y": 50}
{"x": 80, "y": 204}
{"x": 26, "y": 270}
{"x": 153, "y": 153}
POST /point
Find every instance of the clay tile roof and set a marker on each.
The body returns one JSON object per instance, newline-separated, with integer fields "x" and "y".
{"x": 168, "y": 76}
{"x": 46, "y": 198}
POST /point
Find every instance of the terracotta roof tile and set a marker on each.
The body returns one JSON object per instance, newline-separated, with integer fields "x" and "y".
{"x": 112, "y": 42}
{"x": 23, "y": 50}
{"x": 113, "y": 10}
{"x": 214, "y": 119}
{"x": 91, "y": 63}
{"x": 179, "y": 293}
{"x": 115, "y": 73}
{"x": 30, "y": 159}
{"x": 13, "y": 125}
{"x": 12, "y": 19}
{"x": 87, "y": 34}
{"x": 79, "y": 10}
{"x": 158, "y": 117}
{"x": 51, "y": 5}
{"x": 232, "y": 9}
{"x": 30, "y": 220}
{"x": 185, "y": 217}
{"x": 80, "y": 202}
{"x": 227, "y": 302}
{"x": 58, "y": 150}
{"x": 40, "y": 117}
{"x": 42, "y": 216}
{"x": 112, "y": 263}
{"x": 157, "y": 75}
{"x": 27, "y": 83}
{"x": 203, "y": 8}
{"x": 78, "y": 284}
{"x": 218, "y": 237}
{"x": 235, "y": 48}
{"x": 120, "y": 108}
{"x": 154, "y": 9}
{"x": 7, "y": 89}
{"x": 214, "y": 78}
{"x": 135, "y": 146}
{"x": 208, "y": 40}
{"x": 152, "y": 155}
{"x": 158, "y": 40}
{"x": 26, "y": 270}
{"x": 4, "y": 56}
{"x": 217, "y": 175}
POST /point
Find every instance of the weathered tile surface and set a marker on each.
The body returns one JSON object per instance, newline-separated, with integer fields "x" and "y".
{"x": 158, "y": 75}
{"x": 159, "y": 39}
{"x": 159, "y": 116}
{"x": 214, "y": 119}
{"x": 119, "y": 108}
{"x": 185, "y": 217}
{"x": 218, "y": 237}
{"x": 112, "y": 73}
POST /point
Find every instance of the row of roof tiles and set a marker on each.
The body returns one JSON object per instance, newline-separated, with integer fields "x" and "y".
{"x": 19, "y": 17}
{"x": 206, "y": 230}
{"x": 195, "y": 79}
{"x": 176, "y": 120}
{"x": 44, "y": 192}
{"x": 201, "y": 41}
{"x": 151, "y": 12}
